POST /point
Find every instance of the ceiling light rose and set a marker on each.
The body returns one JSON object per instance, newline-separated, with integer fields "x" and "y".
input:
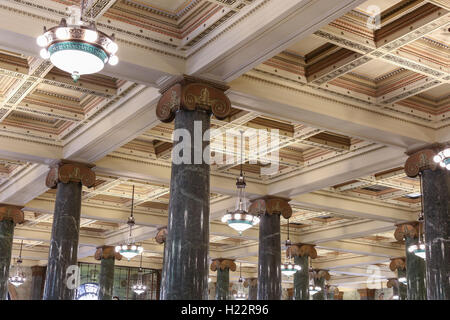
{"x": 77, "y": 48}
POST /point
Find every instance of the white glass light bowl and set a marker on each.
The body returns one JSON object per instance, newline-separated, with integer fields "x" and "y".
{"x": 314, "y": 289}
{"x": 418, "y": 250}
{"x": 17, "y": 280}
{"x": 129, "y": 251}
{"x": 139, "y": 288}
{"x": 443, "y": 158}
{"x": 240, "y": 296}
{"x": 77, "y": 49}
{"x": 289, "y": 269}
{"x": 240, "y": 221}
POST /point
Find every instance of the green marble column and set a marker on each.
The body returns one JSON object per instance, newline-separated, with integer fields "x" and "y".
{"x": 320, "y": 282}
{"x": 436, "y": 209}
{"x": 189, "y": 102}
{"x": 415, "y": 273}
{"x": 223, "y": 267}
{"x": 9, "y": 216}
{"x": 269, "y": 208}
{"x": 252, "y": 285}
{"x": 302, "y": 253}
{"x": 68, "y": 178}
{"x": 415, "y": 266}
{"x": 402, "y": 288}
{"x": 107, "y": 257}
{"x": 37, "y": 282}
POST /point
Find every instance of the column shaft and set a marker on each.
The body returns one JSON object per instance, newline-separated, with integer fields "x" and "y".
{"x": 269, "y": 258}
{"x": 436, "y": 198}
{"x": 223, "y": 284}
{"x": 252, "y": 291}
{"x": 321, "y": 294}
{"x": 415, "y": 273}
{"x": 6, "y": 240}
{"x": 37, "y": 282}
{"x": 301, "y": 279}
{"x": 106, "y": 279}
{"x": 64, "y": 241}
{"x": 401, "y": 273}
{"x": 185, "y": 271}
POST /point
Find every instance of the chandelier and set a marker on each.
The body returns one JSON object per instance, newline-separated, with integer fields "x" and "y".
{"x": 139, "y": 288}
{"x": 130, "y": 249}
{"x": 419, "y": 248}
{"x": 240, "y": 220}
{"x": 77, "y": 47}
{"x": 19, "y": 278}
{"x": 443, "y": 158}
{"x": 289, "y": 268}
{"x": 240, "y": 295}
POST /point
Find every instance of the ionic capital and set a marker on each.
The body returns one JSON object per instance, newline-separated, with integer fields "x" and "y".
{"x": 12, "y": 213}
{"x": 397, "y": 264}
{"x": 67, "y": 171}
{"x": 319, "y": 274}
{"x": 271, "y": 205}
{"x": 250, "y": 282}
{"x": 392, "y": 282}
{"x": 422, "y": 159}
{"x": 302, "y": 250}
{"x": 405, "y": 230}
{"x": 189, "y": 93}
{"x": 107, "y": 252}
{"x": 161, "y": 235}
{"x": 222, "y": 264}
{"x": 38, "y": 270}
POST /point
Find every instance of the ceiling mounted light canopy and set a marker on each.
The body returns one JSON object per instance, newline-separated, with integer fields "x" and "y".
{"x": 289, "y": 268}
{"x": 19, "y": 278}
{"x": 240, "y": 220}
{"x": 443, "y": 158}
{"x": 76, "y": 46}
{"x": 130, "y": 249}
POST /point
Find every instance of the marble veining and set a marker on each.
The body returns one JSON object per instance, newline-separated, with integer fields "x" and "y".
{"x": 301, "y": 279}
{"x": 6, "y": 240}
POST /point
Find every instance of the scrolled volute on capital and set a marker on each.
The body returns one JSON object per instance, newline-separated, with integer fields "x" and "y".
{"x": 67, "y": 171}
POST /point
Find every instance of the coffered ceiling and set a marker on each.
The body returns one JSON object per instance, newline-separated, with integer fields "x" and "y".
{"x": 345, "y": 101}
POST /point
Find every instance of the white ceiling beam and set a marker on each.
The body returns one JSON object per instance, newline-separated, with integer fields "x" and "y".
{"x": 353, "y": 207}
{"x": 349, "y": 262}
{"x": 363, "y": 249}
{"x": 341, "y": 115}
{"x": 263, "y": 33}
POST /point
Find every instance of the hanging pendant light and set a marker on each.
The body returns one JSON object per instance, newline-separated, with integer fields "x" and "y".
{"x": 139, "y": 288}
{"x": 443, "y": 158}
{"x": 130, "y": 249}
{"x": 289, "y": 268}
{"x": 313, "y": 288}
{"x": 419, "y": 248}
{"x": 240, "y": 295}
{"x": 77, "y": 47}
{"x": 240, "y": 220}
{"x": 19, "y": 278}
